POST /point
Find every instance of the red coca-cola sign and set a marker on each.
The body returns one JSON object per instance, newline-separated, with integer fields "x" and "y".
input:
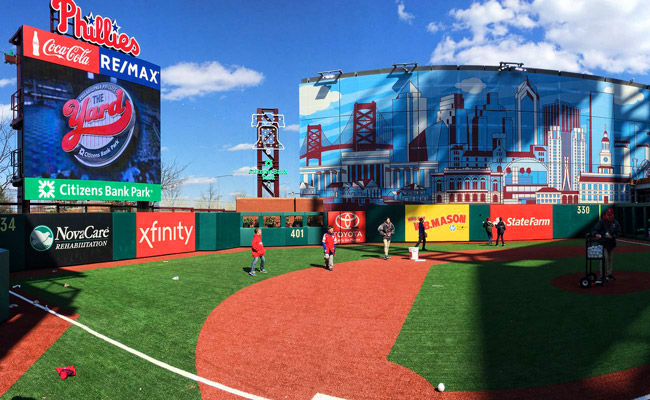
{"x": 60, "y": 50}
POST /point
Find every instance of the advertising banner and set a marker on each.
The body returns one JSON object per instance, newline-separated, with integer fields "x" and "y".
{"x": 524, "y": 221}
{"x": 81, "y": 127}
{"x": 164, "y": 233}
{"x": 67, "y": 239}
{"x": 59, "y": 49}
{"x": 441, "y": 222}
{"x": 349, "y": 226}
{"x": 128, "y": 68}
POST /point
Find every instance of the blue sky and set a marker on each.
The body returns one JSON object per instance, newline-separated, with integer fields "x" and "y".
{"x": 221, "y": 60}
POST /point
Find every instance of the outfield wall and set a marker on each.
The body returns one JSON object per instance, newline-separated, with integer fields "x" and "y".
{"x": 37, "y": 241}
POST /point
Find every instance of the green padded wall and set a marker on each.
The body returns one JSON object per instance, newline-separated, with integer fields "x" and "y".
{"x": 573, "y": 221}
{"x": 375, "y": 216}
{"x": 228, "y": 230}
{"x": 4, "y": 285}
{"x": 124, "y": 236}
{"x": 12, "y": 238}
{"x": 477, "y": 214}
{"x": 206, "y": 231}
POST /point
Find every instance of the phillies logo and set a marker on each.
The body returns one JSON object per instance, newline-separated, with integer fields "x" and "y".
{"x": 93, "y": 29}
{"x": 102, "y": 119}
{"x": 347, "y": 220}
{"x": 75, "y": 54}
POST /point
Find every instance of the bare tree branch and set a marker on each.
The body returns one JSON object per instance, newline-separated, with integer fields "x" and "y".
{"x": 7, "y": 144}
{"x": 171, "y": 179}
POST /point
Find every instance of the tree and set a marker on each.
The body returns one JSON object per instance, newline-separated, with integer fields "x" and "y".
{"x": 171, "y": 180}
{"x": 6, "y": 146}
{"x": 211, "y": 195}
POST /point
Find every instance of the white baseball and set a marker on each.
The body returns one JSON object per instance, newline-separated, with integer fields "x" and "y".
{"x": 441, "y": 387}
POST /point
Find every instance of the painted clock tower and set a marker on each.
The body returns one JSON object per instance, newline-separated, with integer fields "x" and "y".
{"x": 605, "y": 166}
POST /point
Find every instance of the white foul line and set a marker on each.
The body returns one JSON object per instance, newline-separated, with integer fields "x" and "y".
{"x": 144, "y": 356}
{"x": 640, "y": 244}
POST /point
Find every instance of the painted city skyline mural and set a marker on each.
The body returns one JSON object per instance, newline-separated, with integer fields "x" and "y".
{"x": 445, "y": 136}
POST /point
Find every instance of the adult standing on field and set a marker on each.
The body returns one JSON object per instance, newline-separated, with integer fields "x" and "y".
{"x": 487, "y": 225}
{"x": 422, "y": 235}
{"x": 386, "y": 230}
{"x": 329, "y": 247}
{"x": 258, "y": 251}
{"x": 607, "y": 229}
{"x": 501, "y": 229}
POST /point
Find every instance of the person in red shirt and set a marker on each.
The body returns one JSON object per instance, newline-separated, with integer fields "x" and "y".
{"x": 329, "y": 247}
{"x": 257, "y": 248}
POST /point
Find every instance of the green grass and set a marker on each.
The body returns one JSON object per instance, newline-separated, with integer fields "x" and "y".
{"x": 503, "y": 325}
{"x": 489, "y": 326}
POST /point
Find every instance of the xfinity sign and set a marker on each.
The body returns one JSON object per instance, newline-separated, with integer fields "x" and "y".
{"x": 164, "y": 233}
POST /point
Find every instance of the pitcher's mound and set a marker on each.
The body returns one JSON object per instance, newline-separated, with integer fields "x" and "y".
{"x": 626, "y": 282}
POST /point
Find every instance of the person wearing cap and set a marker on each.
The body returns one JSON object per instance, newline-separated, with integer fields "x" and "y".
{"x": 422, "y": 235}
{"x": 607, "y": 229}
{"x": 386, "y": 230}
{"x": 487, "y": 225}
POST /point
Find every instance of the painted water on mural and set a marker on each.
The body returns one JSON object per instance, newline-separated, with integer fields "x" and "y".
{"x": 472, "y": 136}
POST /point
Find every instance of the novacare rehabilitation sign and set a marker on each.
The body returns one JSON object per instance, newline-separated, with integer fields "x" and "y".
{"x": 73, "y": 189}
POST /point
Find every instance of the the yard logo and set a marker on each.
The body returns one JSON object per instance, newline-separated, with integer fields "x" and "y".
{"x": 45, "y": 189}
{"x": 41, "y": 238}
{"x": 102, "y": 119}
{"x": 347, "y": 220}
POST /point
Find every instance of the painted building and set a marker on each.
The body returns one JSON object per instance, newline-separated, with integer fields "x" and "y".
{"x": 443, "y": 135}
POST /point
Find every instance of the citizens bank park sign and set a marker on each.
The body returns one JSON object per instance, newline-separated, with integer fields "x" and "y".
{"x": 108, "y": 129}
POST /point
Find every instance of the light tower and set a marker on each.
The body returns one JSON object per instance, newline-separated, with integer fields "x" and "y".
{"x": 268, "y": 122}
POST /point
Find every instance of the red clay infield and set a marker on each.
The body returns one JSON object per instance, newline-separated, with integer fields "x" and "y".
{"x": 626, "y": 282}
{"x": 314, "y": 331}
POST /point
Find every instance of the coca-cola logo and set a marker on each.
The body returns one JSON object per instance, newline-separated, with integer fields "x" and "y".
{"x": 76, "y": 54}
{"x": 102, "y": 119}
{"x": 347, "y": 220}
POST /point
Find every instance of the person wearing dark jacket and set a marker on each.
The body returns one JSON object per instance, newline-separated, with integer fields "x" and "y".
{"x": 422, "y": 235}
{"x": 487, "y": 225}
{"x": 329, "y": 247}
{"x": 501, "y": 228}
{"x": 607, "y": 229}
{"x": 258, "y": 251}
{"x": 386, "y": 230}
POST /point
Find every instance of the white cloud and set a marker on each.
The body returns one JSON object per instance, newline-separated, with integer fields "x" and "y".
{"x": 292, "y": 128}
{"x": 164, "y": 148}
{"x": 199, "y": 180}
{"x": 434, "y": 27}
{"x": 625, "y": 95}
{"x": 5, "y": 112}
{"x": 241, "y": 146}
{"x": 575, "y": 36}
{"x": 403, "y": 15}
{"x": 243, "y": 171}
{"x": 471, "y": 85}
{"x": 7, "y": 82}
{"x": 191, "y": 79}
{"x": 316, "y": 98}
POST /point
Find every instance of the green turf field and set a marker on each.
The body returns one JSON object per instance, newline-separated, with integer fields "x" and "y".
{"x": 474, "y": 326}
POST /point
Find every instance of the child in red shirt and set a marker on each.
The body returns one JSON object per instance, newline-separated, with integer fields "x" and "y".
{"x": 257, "y": 249}
{"x": 329, "y": 247}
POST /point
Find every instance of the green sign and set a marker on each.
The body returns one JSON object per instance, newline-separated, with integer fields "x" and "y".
{"x": 73, "y": 189}
{"x": 267, "y": 174}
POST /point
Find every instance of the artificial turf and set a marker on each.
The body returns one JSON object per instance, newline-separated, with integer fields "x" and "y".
{"x": 473, "y": 325}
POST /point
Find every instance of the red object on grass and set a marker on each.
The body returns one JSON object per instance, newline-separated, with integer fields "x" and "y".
{"x": 65, "y": 372}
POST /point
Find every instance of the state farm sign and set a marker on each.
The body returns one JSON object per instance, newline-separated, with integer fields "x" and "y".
{"x": 349, "y": 226}
{"x": 164, "y": 233}
{"x": 60, "y": 50}
{"x": 525, "y": 221}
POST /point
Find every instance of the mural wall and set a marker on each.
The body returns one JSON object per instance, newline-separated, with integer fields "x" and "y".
{"x": 470, "y": 135}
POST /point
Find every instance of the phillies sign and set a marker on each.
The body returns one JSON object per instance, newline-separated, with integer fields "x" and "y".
{"x": 349, "y": 226}
{"x": 93, "y": 28}
{"x": 102, "y": 119}
{"x": 164, "y": 233}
